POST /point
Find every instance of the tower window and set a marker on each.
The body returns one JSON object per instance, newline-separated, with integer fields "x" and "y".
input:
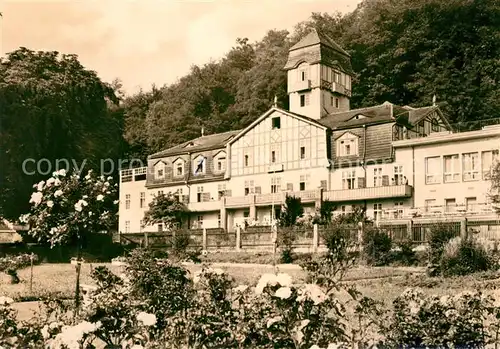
{"x": 246, "y": 161}
{"x": 302, "y": 152}
{"x": 331, "y": 101}
{"x": 304, "y": 100}
{"x": 276, "y": 122}
{"x": 336, "y": 103}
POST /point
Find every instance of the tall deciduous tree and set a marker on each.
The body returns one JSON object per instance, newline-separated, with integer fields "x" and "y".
{"x": 51, "y": 108}
{"x": 166, "y": 209}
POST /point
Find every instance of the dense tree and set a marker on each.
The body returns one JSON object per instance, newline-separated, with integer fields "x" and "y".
{"x": 165, "y": 209}
{"x": 51, "y": 108}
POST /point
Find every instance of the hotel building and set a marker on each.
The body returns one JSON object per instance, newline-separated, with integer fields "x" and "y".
{"x": 395, "y": 161}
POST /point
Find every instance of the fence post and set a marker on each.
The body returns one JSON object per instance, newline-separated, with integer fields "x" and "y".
{"x": 360, "y": 235}
{"x": 146, "y": 243}
{"x": 238, "y": 239}
{"x": 409, "y": 230}
{"x": 204, "y": 243}
{"x": 463, "y": 228}
{"x": 315, "y": 241}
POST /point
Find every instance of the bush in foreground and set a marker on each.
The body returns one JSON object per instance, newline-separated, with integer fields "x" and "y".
{"x": 465, "y": 256}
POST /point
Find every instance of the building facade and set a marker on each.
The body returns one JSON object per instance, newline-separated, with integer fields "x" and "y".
{"x": 390, "y": 160}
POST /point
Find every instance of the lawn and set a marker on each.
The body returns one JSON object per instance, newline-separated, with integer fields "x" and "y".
{"x": 380, "y": 283}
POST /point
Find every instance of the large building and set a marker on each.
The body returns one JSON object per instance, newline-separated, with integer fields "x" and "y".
{"x": 392, "y": 160}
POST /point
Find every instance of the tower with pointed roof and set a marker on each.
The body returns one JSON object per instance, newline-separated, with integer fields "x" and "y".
{"x": 319, "y": 76}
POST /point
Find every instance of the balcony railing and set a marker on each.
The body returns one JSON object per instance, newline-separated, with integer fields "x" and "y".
{"x": 238, "y": 201}
{"x": 371, "y": 193}
{"x": 471, "y": 210}
{"x": 204, "y": 206}
{"x": 301, "y": 85}
{"x": 305, "y": 195}
{"x": 268, "y": 198}
{"x": 133, "y": 174}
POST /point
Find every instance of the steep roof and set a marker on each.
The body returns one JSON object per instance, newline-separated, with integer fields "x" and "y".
{"x": 317, "y": 37}
{"x": 213, "y": 141}
{"x": 317, "y": 47}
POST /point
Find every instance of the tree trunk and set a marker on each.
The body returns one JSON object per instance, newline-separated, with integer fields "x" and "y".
{"x": 78, "y": 270}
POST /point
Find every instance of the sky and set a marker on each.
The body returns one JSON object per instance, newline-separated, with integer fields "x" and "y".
{"x": 148, "y": 41}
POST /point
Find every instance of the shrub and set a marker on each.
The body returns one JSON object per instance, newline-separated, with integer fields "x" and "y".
{"x": 286, "y": 238}
{"x": 377, "y": 246}
{"x": 421, "y": 321}
{"x": 464, "y": 256}
{"x": 439, "y": 235}
{"x": 405, "y": 255}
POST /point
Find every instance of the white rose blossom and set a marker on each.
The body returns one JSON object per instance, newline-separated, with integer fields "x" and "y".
{"x": 40, "y": 185}
{"x": 283, "y": 292}
{"x": 50, "y": 181}
{"x": 50, "y": 203}
{"x": 58, "y": 193}
{"x": 146, "y": 319}
{"x": 100, "y": 197}
{"x": 36, "y": 198}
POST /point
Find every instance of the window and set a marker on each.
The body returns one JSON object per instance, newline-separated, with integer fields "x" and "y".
{"x": 348, "y": 179}
{"x": 245, "y": 162}
{"x": 302, "y": 152}
{"x": 303, "y": 75}
{"x": 276, "y": 122}
{"x": 159, "y": 170}
{"x": 398, "y": 175}
{"x": 127, "y": 201}
{"x": 336, "y": 76}
{"x": 347, "y": 145}
{"x": 377, "y": 212}
{"x": 432, "y": 170}
{"x": 435, "y": 125}
{"x": 273, "y": 156}
{"x": 142, "y": 200}
{"x": 304, "y": 179}
{"x": 304, "y": 99}
{"x": 451, "y": 168}
{"x": 275, "y": 184}
{"x": 200, "y": 222}
{"x": 199, "y": 194}
{"x": 179, "y": 194}
{"x": 179, "y": 168}
{"x": 450, "y": 205}
{"x": 219, "y": 221}
{"x": 127, "y": 226}
{"x": 337, "y": 103}
{"x": 249, "y": 187}
{"x": 471, "y": 204}
{"x": 429, "y": 204}
{"x": 221, "y": 164}
{"x": 470, "y": 169}
{"x": 246, "y": 214}
{"x": 199, "y": 165}
{"x": 221, "y": 190}
{"x": 398, "y": 210}
{"x": 377, "y": 177}
{"x": 160, "y": 227}
{"x": 488, "y": 159}
{"x": 331, "y": 101}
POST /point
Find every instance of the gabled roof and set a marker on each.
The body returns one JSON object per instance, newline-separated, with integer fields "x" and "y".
{"x": 316, "y": 47}
{"x": 269, "y": 112}
{"x": 214, "y": 141}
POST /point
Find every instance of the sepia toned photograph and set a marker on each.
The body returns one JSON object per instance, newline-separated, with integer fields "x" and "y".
{"x": 303, "y": 174}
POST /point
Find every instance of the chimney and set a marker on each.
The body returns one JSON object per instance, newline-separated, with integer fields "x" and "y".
{"x": 434, "y": 100}
{"x": 202, "y": 131}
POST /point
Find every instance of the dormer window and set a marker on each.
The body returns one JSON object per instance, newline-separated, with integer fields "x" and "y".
{"x": 199, "y": 165}
{"x": 220, "y": 162}
{"x": 179, "y": 167}
{"x": 276, "y": 122}
{"x": 347, "y": 145}
{"x": 159, "y": 170}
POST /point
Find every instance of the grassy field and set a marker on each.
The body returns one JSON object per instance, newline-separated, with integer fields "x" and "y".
{"x": 380, "y": 283}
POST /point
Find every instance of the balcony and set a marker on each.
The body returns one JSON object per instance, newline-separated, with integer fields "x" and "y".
{"x": 301, "y": 86}
{"x": 269, "y": 199}
{"x": 305, "y": 196}
{"x": 335, "y": 87}
{"x": 275, "y": 168}
{"x": 372, "y": 193}
{"x": 478, "y": 210}
{"x": 205, "y": 206}
{"x": 133, "y": 174}
{"x": 238, "y": 201}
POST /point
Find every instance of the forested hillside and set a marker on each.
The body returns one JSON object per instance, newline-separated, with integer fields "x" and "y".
{"x": 403, "y": 51}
